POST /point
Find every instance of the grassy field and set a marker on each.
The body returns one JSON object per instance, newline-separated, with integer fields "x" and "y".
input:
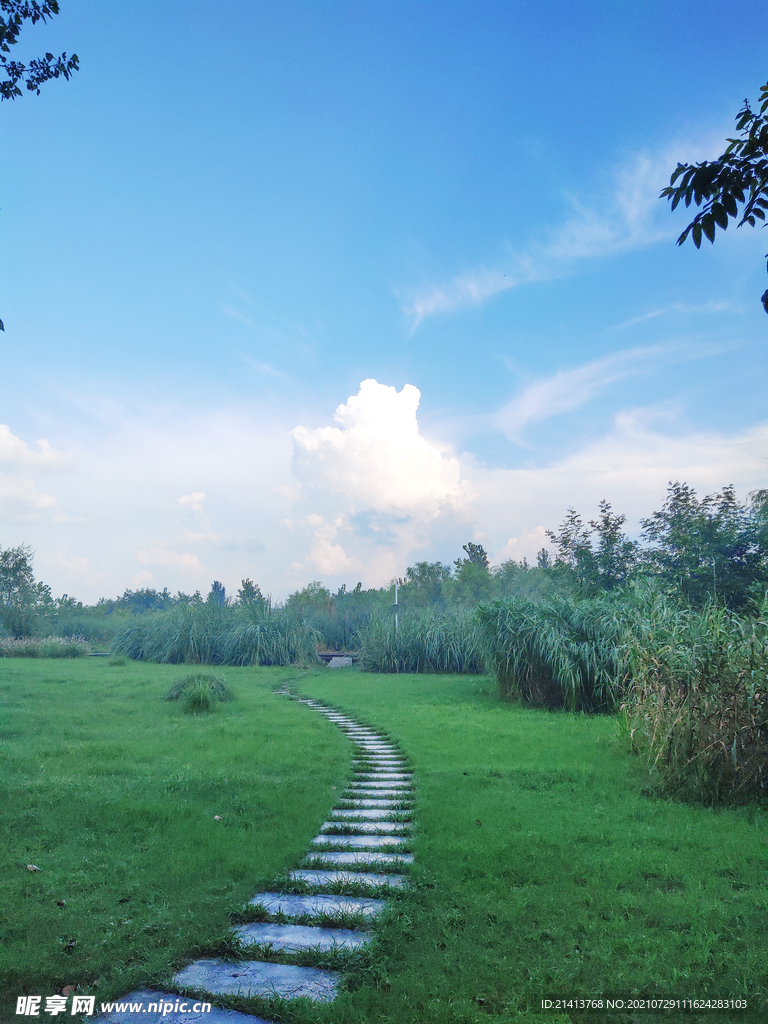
{"x": 112, "y": 793}
{"x": 542, "y": 868}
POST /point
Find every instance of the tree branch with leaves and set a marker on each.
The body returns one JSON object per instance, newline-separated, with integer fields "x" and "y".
{"x": 735, "y": 185}
{"x": 13, "y": 14}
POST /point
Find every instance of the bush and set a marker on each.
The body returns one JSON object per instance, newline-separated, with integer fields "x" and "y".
{"x": 44, "y": 647}
{"x": 698, "y": 705}
{"x": 200, "y": 691}
{"x": 560, "y": 652}
{"x": 428, "y": 642}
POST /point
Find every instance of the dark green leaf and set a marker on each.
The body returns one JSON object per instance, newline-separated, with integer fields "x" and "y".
{"x": 721, "y": 217}
{"x": 696, "y": 233}
{"x": 729, "y": 204}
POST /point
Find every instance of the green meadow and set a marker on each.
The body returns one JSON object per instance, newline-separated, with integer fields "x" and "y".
{"x": 543, "y": 867}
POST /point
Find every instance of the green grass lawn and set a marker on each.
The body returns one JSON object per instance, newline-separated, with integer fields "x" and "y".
{"x": 112, "y": 793}
{"x": 542, "y": 868}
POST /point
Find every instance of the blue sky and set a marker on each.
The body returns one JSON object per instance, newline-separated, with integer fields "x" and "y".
{"x": 233, "y": 216}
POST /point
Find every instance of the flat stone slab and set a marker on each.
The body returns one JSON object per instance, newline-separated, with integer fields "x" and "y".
{"x": 363, "y": 828}
{"x": 334, "y": 906}
{"x": 291, "y": 938}
{"x": 388, "y": 794}
{"x": 140, "y": 1007}
{"x": 380, "y": 787}
{"x": 358, "y": 842}
{"x": 380, "y": 759}
{"x": 252, "y": 978}
{"x": 366, "y": 814}
{"x": 381, "y": 783}
{"x": 383, "y": 776}
{"x": 371, "y": 878}
{"x": 391, "y": 805}
{"x": 360, "y": 857}
{"x": 340, "y": 663}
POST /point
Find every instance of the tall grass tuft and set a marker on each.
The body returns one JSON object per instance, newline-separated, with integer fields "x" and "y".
{"x": 201, "y": 691}
{"x": 698, "y": 705}
{"x": 213, "y": 635}
{"x": 427, "y": 642}
{"x": 557, "y": 653}
{"x": 44, "y": 647}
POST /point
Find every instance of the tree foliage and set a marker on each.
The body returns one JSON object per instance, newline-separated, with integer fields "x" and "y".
{"x": 21, "y": 598}
{"x": 710, "y": 549}
{"x": 40, "y": 69}
{"x": 734, "y": 185}
{"x": 13, "y": 14}
{"x": 596, "y": 564}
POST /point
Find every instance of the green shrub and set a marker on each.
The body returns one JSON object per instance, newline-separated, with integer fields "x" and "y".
{"x": 200, "y": 691}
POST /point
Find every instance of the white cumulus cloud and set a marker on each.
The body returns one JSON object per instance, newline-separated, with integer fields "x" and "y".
{"x": 193, "y": 502}
{"x": 377, "y": 458}
{"x": 373, "y": 485}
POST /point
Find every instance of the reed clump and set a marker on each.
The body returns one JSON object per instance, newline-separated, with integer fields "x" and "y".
{"x": 698, "y": 704}
{"x": 559, "y": 652}
{"x": 423, "y": 642}
{"x": 44, "y": 647}
{"x": 201, "y": 692}
{"x": 208, "y": 634}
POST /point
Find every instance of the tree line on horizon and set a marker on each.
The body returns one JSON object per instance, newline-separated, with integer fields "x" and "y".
{"x": 709, "y": 549}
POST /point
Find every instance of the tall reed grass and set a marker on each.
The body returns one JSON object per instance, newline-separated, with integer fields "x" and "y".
{"x": 44, "y": 647}
{"x": 426, "y": 642}
{"x": 698, "y": 704}
{"x": 557, "y": 652}
{"x": 212, "y": 635}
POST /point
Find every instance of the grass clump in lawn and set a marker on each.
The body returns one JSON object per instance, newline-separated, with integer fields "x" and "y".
{"x": 201, "y": 692}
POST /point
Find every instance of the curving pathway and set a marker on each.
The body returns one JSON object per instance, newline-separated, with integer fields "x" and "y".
{"x": 363, "y": 847}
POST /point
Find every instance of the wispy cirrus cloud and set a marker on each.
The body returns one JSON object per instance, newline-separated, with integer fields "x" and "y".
{"x": 568, "y": 390}
{"x": 675, "y": 307}
{"x": 629, "y": 217}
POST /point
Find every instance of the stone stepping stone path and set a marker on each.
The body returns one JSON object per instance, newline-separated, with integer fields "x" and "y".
{"x": 363, "y": 847}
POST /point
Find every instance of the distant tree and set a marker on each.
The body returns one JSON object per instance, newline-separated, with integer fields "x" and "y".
{"x": 713, "y": 548}
{"x": 310, "y": 600}
{"x": 217, "y": 594}
{"x": 424, "y": 583}
{"x": 734, "y": 185}
{"x": 145, "y": 600}
{"x": 250, "y": 594}
{"x": 615, "y": 556}
{"x": 599, "y": 564}
{"x": 472, "y": 581}
{"x": 21, "y": 598}
{"x": 476, "y": 554}
{"x": 574, "y": 550}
